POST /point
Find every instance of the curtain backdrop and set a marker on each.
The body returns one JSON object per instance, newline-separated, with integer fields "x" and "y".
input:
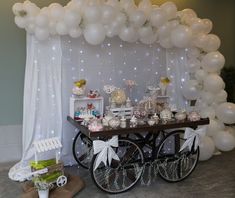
{"x": 52, "y": 67}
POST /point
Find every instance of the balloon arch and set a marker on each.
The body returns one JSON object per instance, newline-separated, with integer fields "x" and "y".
{"x": 97, "y": 19}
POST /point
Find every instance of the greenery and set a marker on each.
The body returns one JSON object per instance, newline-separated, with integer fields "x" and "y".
{"x": 228, "y": 75}
{"x": 44, "y": 181}
{"x": 48, "y": 177}
{"x": 41, "y": 164}
{"x": 41, "y": 185}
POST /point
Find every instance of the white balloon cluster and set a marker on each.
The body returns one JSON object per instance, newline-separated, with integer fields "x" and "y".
{"x": 148, "y": 23}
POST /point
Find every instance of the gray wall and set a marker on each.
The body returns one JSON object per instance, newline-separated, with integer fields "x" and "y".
{"x": 12, "y": 48}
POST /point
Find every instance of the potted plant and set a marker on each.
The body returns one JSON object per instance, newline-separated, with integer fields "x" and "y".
{"x": 43, "y": 188}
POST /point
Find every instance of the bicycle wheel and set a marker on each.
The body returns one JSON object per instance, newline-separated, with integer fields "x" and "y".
{"x": 82, "y": 150}
{"x": 175, "y": 166}
{"x": 121, "y": 175}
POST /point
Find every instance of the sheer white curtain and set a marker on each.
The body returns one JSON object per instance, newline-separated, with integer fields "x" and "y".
{"x": 177, "y": 71}
{"x": 42, "y": 112}
{"x": 52, "y": 67}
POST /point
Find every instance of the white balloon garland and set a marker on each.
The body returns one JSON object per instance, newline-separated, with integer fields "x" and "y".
{"x": 96, "y": 19}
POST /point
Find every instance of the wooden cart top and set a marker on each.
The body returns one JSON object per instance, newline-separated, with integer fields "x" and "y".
{"x": 108, "y": 131}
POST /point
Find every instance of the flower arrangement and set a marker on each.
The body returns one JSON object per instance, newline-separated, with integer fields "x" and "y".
{"x": 81, "y": 83}
{"x": 164, "y": 82}
{"x": 130, "y": 84}
{"x": 108, "y": 89}
{"x": 41, "y": 185}
{"x": 79, "y": 87}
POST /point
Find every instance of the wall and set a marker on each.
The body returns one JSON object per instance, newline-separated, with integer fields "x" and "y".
{"x": 12, "y": 61}
{"x": 12, "y": 65}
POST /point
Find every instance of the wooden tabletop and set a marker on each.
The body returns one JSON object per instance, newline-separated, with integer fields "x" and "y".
{"x": 108, "y": 131}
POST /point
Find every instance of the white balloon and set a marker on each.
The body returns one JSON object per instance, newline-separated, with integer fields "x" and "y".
{"x": 41, "y": 20}
{"x": 75, "y": 32}
{"x": 30, "y": 28}
{"x": 208, "y": 112}
{"x": 166, "y": 42}
{"x": 17, "y": 7}
{"x": 52, "y": 27}
{"x": 207, "y": 148}
{"x": 149, "y": 40}
{"x": 170, "y": 9}
{"x": 212, "y": 43}
{"x": 113, "y": 29}
{"x": 61, "y": 28}
{"x": 92, "y": 14}
{"x": 214, "y": 127}
{"x": 145, "y": 31}
{"x": 108, "y": 14}
{"x": 158, "y": 17}
{"x": 199, "y": 40}
{"x": 146, "y": 7}
{"x": 224, "y": 141}
{"x": 221, "y": 96}
{"x": 128, "y": 34}
{"x": 128, "y": 5}
{"x": 31, "y": 8}
{"x": 45, "y": 11}
{"x": 193, "y": 65}
{"x": 173, "y": 23}
{"x": 94, "y": 33}
{"x": 213, "y": 62}
{"x": 200, "y": 75}
{"x": 226, "y": 112}
{"x": 190, "y": 90}
{"x": 137, "y": 18}
{"x": 77, "y": 5}
{"x": 72, "y": 18}
{"x": 207, "y": 25}
{"x": 231, "y": 130}
{"x": 181, "y": 36}
{"x": 109, "y": 32}
{"x": 193, "y": 52}
{"x": 164, "y": 30}
{"x": 56, "y": 11}
{"x": 207, "y": 97}
{"x": 187, "y": 15}
{"x": 213, "y": 83}
{"x": 121, "y": 18}
{"x": 197, "y": 26}
{"x": 113, "y": 3}
{"x": 21, "y": 22}
{"x": 41, "y": 33}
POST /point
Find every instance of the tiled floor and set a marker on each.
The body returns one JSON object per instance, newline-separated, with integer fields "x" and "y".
{"x": 213, "y": 178}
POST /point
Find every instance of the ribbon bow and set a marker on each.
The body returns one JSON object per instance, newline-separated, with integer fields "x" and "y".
{"x": 105, "y": 151}
{"x": 193, "y": 136}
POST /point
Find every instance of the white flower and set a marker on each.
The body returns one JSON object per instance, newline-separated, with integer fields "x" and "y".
{"x": 109, "y": 89}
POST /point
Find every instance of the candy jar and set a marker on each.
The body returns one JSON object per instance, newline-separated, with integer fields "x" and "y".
{"x": 114, "y": 122}
{"x": 106, "y": 119}
{"x": 128, "y": 103}
{"x": 194, "y": 116}
{"x": 95, "y": 126}
{"x": 151, "y": 122}
{"x": 166, "y": 115}
{"x": 118, "y": 96}
{"x": 156, "y": 118}
{"x": 133, "y": 121}
{"x": 123, "y": 122}
{"x": 180, "y": 116}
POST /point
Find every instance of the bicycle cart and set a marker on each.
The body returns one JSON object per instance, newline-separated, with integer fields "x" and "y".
{"x": 138, "y": 147}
